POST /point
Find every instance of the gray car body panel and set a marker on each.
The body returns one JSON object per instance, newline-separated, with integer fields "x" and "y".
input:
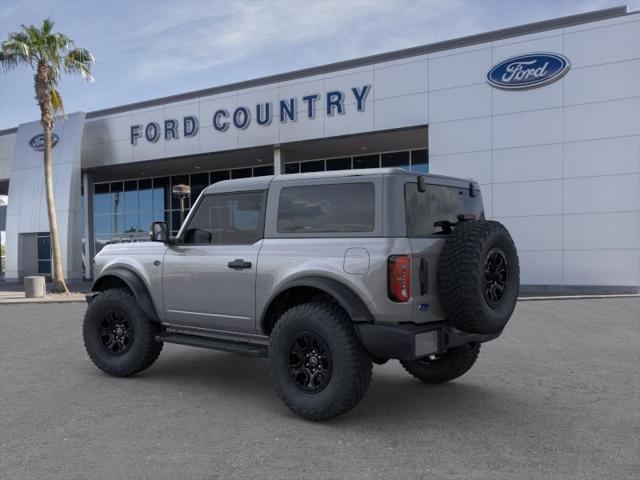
{"x": 194, "y": 289}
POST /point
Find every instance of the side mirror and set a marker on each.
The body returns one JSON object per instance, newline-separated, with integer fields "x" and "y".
{"x": 422, "y": 184}
{"x": 159, "y": 232}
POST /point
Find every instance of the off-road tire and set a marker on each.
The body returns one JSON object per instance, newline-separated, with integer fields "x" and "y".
{"x": 454, "y": 363}
{"x": 462, "y": 280}
{"x": 143, "y": 349}
{"x": 350, "y": 363}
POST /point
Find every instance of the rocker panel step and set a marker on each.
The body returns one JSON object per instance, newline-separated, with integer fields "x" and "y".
{"x": 214, "y": 344}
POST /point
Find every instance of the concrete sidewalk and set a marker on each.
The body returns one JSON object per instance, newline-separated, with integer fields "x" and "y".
{"x": 13, "y": 292}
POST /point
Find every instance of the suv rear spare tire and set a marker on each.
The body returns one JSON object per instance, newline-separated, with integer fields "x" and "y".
{"x": 479, "y": 277}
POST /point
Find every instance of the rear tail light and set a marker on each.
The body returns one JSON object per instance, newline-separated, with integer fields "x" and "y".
{"x": 399, "y": 278}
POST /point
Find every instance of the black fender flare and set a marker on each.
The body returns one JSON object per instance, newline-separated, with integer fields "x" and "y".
{"x": 135, "y": 284}
{"x": 345, "y": 296}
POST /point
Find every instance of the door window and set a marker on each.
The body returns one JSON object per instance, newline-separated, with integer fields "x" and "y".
{"x": 228, "y": 219}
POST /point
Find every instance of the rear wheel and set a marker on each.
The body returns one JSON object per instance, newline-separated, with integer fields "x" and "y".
{"x": 118, "y": 336}
{"x": 450, "y": 365}
{"x": 319, "y": 367}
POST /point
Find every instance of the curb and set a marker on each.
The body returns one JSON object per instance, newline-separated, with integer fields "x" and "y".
{"x": 22, "y": 301}
{"x": 577, "y": 297}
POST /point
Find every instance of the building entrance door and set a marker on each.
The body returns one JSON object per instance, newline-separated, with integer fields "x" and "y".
{"x": 44, "y": 253}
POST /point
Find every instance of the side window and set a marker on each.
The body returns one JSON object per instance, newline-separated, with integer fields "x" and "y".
{"x": 227, "y": 219}
{"x": 336, "y": 208}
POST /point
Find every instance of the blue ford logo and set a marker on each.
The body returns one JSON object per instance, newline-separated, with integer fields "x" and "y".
{"x": 528, "y": 71}
{"x": 37, "y": 142}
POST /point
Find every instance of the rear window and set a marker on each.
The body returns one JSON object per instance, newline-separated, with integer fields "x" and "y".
{"x": 338, "y": 208}
{"x": 437, "y": 203}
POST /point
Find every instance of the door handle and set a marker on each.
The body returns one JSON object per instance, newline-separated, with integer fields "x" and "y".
{"x": 239, "y": 264}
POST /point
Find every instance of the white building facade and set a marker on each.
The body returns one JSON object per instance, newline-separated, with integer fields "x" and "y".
{"x": 545, "y": 116}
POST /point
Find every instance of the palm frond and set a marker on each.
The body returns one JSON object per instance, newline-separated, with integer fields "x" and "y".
{"x": 8, "y": 60}
{"x": 79, "y": 60}
{"x": 56, "y": 101}
{"x": 20, "y": 46}
{"x": 47, "y": 26}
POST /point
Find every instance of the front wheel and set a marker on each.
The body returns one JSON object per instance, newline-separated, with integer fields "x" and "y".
{"x": 118, "y": 336}
{"x": 319, "y": 367}
{"x": 450, "y": 365}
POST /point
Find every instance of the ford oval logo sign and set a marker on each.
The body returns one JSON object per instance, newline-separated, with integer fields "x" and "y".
{"x": 528, "y": 71}
{"x": 37, "y": 142}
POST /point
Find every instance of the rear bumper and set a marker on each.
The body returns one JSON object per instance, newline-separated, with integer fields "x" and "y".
{"x": 411, "y": 342}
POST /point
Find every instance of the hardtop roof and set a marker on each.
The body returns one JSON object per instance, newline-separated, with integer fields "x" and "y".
{"x": 263, "y": 183}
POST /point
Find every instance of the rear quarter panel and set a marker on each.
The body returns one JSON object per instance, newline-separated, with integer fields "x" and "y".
{"x": 283, "y": 260}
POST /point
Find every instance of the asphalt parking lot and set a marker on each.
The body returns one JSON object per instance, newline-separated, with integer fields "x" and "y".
{"x": 555, "y": 397}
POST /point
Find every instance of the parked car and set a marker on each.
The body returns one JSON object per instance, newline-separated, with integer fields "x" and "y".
{"x": 322, "y": 273}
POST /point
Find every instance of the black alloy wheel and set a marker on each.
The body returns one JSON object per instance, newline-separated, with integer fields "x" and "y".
{"x": 116, "y": 332}
{"x": 310, "y": 362}
{"x": 495, "y": 276}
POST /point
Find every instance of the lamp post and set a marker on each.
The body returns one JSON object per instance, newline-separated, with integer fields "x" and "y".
{"x": 182, "y": 192}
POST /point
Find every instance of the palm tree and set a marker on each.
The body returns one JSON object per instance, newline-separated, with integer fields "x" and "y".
{"x": 50, "y": 55}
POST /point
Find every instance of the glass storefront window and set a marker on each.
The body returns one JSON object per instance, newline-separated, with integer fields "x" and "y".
{"x": 146, "y": 219}
{"x": 161, "y": 194}
{"x": 241, "y": 173}
{"x": 117, "y": 199}
{"x": 367, "y": 161}
{"x": 395, "y": 159}
{"x": 161, "y": 217}
{"x": 199, "y": 181}
{"x": 131, "y": 203}
{"x": 420, "y": 161}
{"x": 292, "y": 168}
{"x": 117, "y": 223}
{"x": 102, "y": 224}
{"x": 131, "y": 223}
{"x": 339, "y": 164}
{"x": 314, "y": 166}
{"x": 101, "y": 198}
{"x": 219, "y": 176}
{"x": 145, "y": 195}
{"x": 263, "y": 171}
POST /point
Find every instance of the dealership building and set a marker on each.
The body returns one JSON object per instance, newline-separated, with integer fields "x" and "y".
{"x": 544, "y": 116}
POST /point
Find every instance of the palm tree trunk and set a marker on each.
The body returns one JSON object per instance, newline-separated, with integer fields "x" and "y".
{"x": 59, "y": 284}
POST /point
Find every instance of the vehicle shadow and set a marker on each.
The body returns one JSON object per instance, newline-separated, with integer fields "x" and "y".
{"x": 393, "y": 394}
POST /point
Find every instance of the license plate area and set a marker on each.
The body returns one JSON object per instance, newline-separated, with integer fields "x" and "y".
{"x": 426, "y": 343}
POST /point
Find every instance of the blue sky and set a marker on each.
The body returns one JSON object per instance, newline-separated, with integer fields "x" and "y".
{"x": 151, "y": 48}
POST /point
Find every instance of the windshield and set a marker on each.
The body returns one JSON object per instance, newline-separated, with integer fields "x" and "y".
{"x": 436, "y": 204}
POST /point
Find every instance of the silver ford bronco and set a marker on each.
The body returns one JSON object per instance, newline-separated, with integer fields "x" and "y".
{"x": 322, "y": 273}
